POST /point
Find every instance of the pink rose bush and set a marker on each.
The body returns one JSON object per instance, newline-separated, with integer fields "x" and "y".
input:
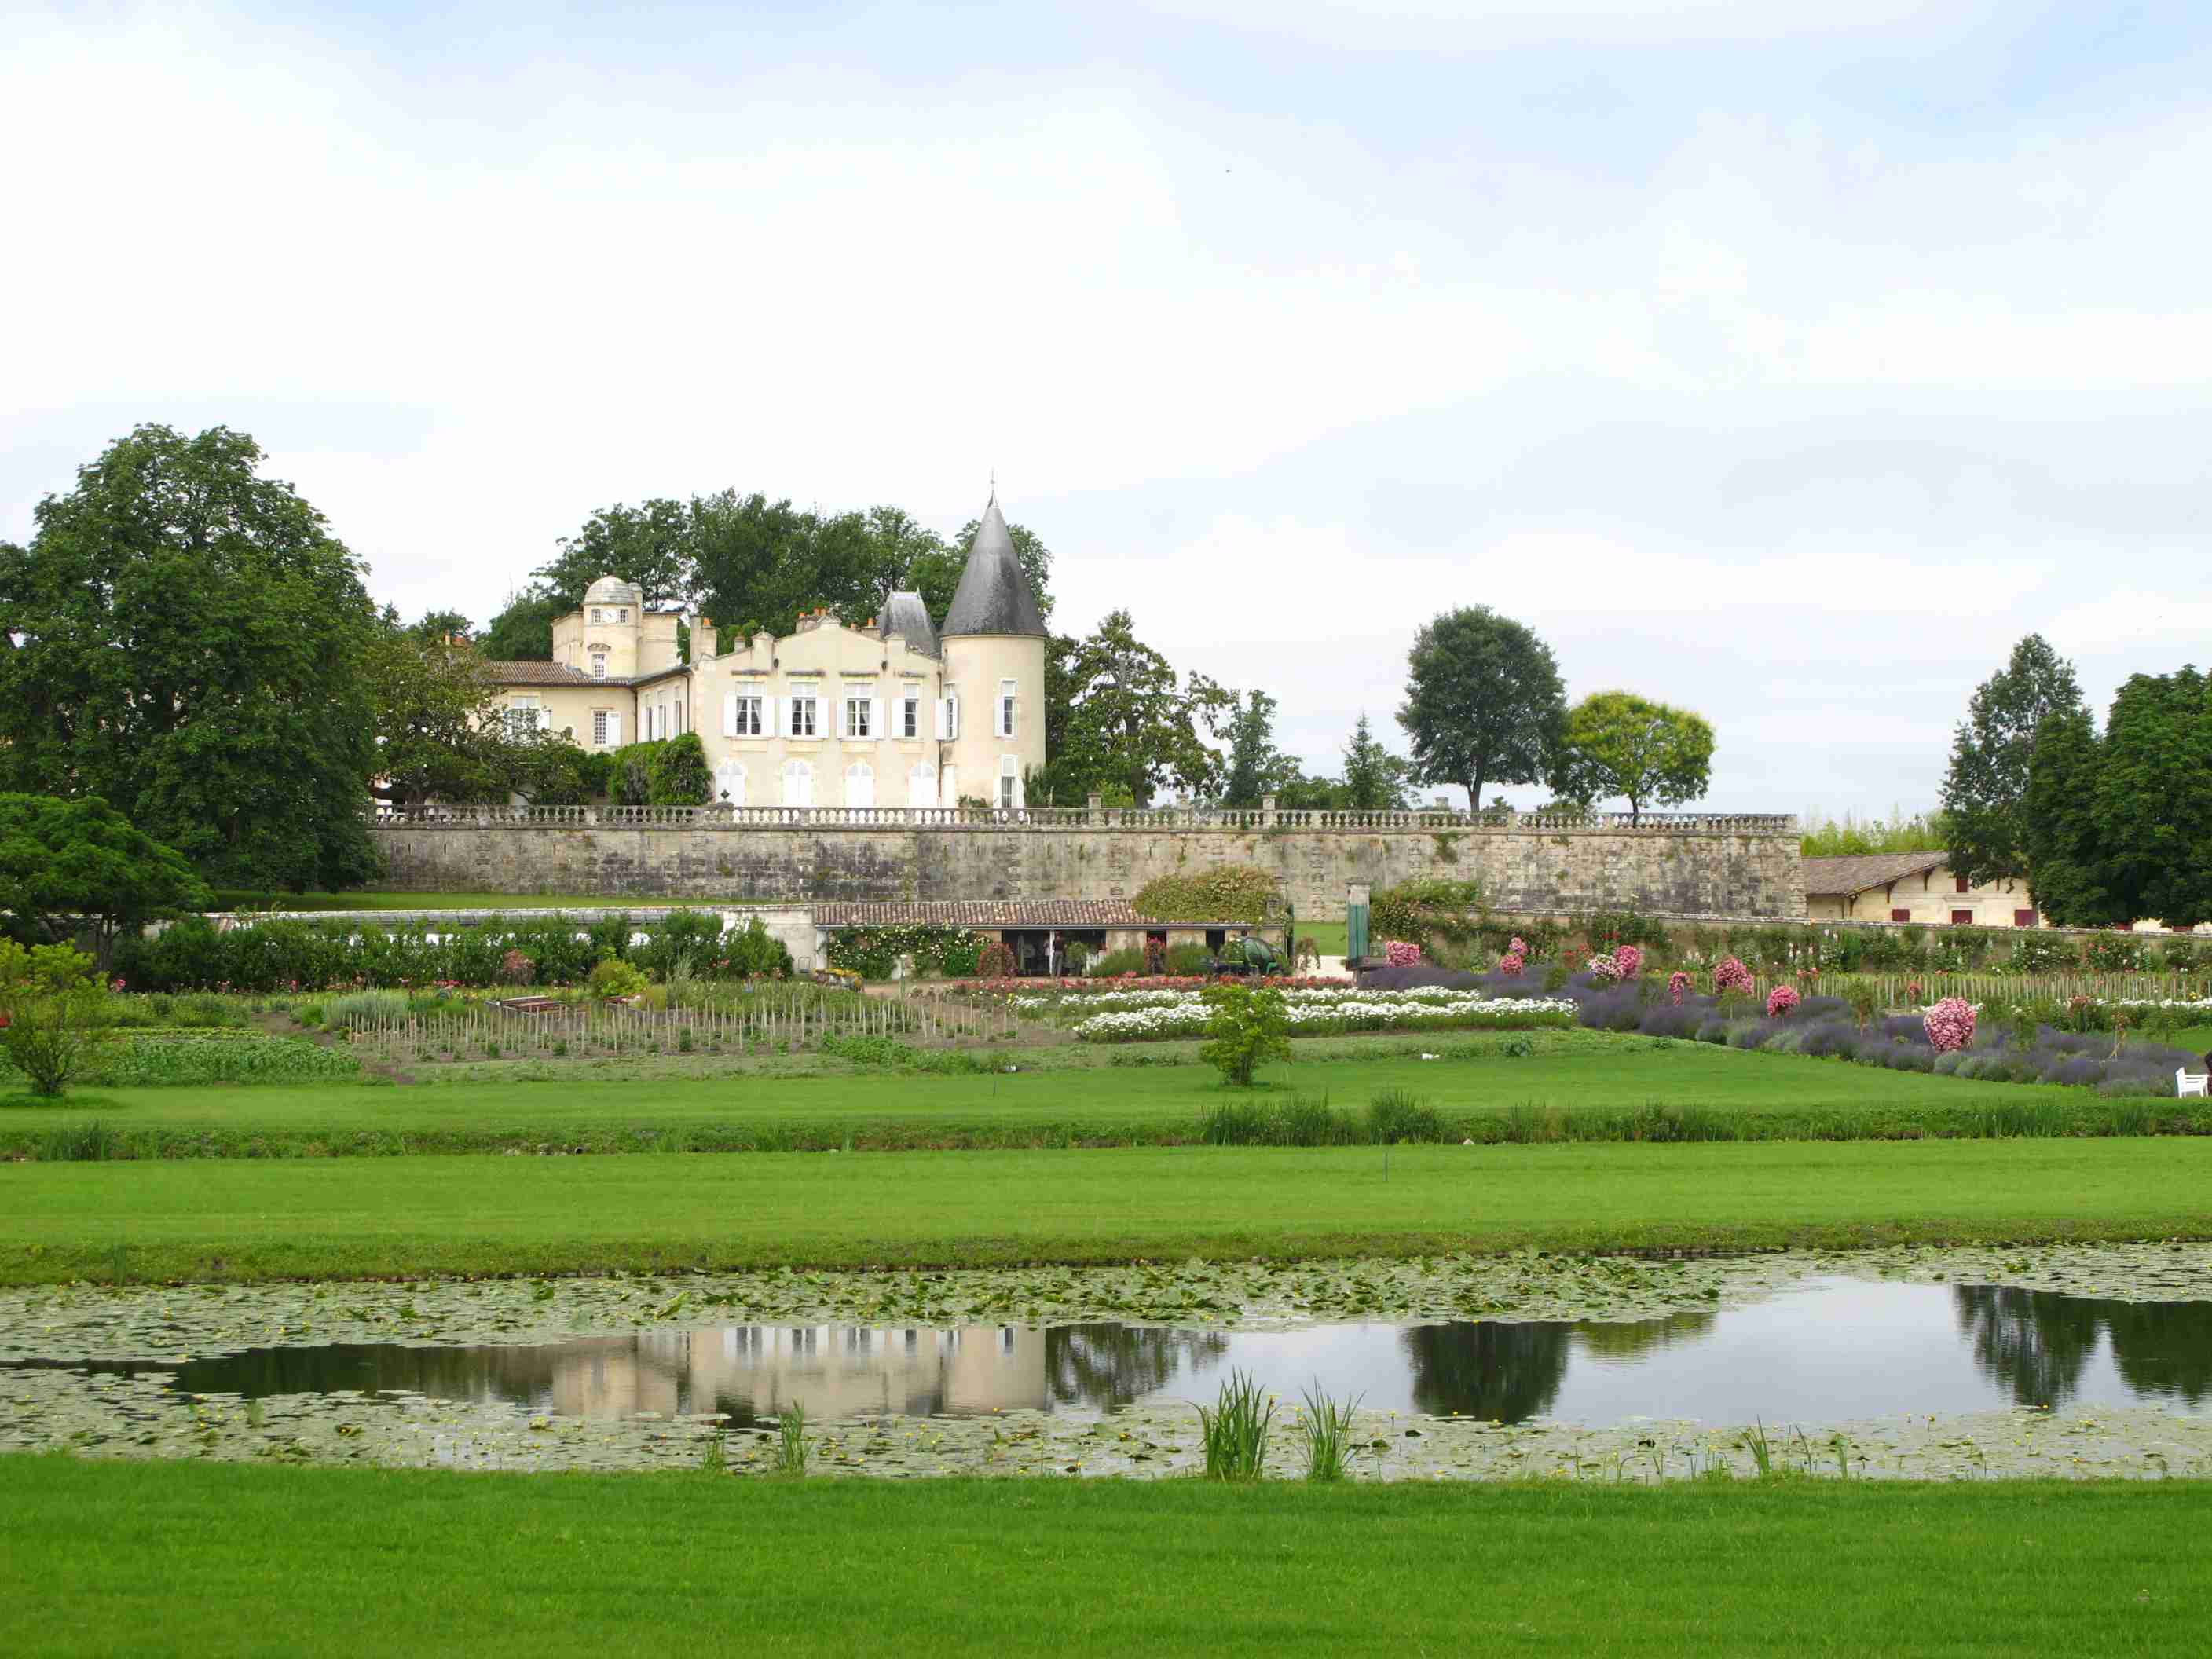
{"x": 1511, "y": 963}
{"x": 1400, "y": 954}
{"x": 1780, "y": 1000}
{"x": 1629, "y": 958}
{"x": 1605, "y": 968}
{"x": 1678, "y": 986}
{"x": 1730, "y": 974}
{"x": 1949, "y": 1024}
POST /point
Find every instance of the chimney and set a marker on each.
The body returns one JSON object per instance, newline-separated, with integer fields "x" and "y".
{"x": 702, "y": 639}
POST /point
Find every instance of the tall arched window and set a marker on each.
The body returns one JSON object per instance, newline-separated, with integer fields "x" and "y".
{"x": 730, "y": 782}
{"x": 921, "y": 785}
{"x": 859, "y": 784}
{"x": 798, "y": 783}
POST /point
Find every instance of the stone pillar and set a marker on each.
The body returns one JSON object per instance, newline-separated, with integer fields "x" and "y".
{"x": 1096, "y": 806}
{"x": 1266, "y": 812}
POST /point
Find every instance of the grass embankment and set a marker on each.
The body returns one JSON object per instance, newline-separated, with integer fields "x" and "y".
{"x": 1590, "y": 1088}
{"x": 400, "y": 1216}
{"x": 101, "y": 1558}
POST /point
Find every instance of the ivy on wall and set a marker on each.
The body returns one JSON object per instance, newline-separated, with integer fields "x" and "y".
{"x": 1233, "y": 892}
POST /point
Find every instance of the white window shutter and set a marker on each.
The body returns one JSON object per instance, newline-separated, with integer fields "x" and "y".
{"x": 729, "y": 714}
{"x": 875, "y": 718}
{"x": 614, "y": 731}
{"x": 953, "y": 716}
{"x": 943, "y": 714}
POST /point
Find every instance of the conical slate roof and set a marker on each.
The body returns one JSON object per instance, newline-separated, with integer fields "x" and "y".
{"x": 993, "y": 596}
{"x": 905, "y": 614}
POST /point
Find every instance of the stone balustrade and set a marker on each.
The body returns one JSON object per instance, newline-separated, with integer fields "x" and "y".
{"x": 1237, "y": 821}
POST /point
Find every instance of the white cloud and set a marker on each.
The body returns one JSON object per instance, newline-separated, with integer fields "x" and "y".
{"x": 1772, "y": 406}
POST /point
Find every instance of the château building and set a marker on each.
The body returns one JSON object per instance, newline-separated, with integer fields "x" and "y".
{"x": 905, "y": 711}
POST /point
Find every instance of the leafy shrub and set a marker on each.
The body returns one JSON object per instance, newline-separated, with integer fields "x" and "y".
{"x": 516, "y": 969}
{"x": 2115, "y": 952}
{"x": 676, "y": 773}
{"x": 1232, "y": 892}
{"x": 1184, "y": 960}
{"x": 1114, "y": 964}
{"x": 752, "y": 951}
{"x": 53, "y": 997}
{"x": 692, "y": 939}
{"x": 614, "y": 977}
{"x": 1247, "y": 1029}
{"x": 995, "y": 960}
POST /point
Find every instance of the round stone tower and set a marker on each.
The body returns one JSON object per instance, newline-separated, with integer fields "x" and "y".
{"x": 991, "y": 720}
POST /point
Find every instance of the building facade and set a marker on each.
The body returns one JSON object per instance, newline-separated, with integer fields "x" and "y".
{"x": 899, "y": 714}
{"x": 1911, "y": 887}
{"x": 1920, "y": 889}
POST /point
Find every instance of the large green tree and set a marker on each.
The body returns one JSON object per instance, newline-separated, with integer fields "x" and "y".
{"x": 2068, "y": 874}
{"x": 1373, "y": 779}
{"x": 439, "y": 732}
{"x": 1985, "y": 786}
{"x": 1131, "y": 727}
{"x": 1484, "y": 701}
{"x": 1255, "y": 769}
{"x": 1617, "y": 743}
{"x": 79, "y": 867}
{"x": 2120, "y": 828}
{"x": 650, "y": 545}
{"x": 190, "y": 644}
{"x": 522, "y": 631}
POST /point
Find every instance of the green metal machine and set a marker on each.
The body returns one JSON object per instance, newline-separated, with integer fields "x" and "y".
{"x": 1355, "y": 921}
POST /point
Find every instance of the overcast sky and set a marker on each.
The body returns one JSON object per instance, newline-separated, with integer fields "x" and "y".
{"x": 1784, "y": 368}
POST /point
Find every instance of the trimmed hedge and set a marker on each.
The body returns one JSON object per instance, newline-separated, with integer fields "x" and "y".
{"x": 315, "y": 956}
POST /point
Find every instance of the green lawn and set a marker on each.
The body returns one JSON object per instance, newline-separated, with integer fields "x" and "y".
{"x": 247, "y": 1218}
{"x": 104, "y": 1558}
{"x": 610, "y": 1108}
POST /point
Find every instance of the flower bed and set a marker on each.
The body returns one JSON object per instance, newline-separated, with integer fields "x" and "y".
{"x": 1944, "y": 1038}
{"x": 1331, "y": 1012}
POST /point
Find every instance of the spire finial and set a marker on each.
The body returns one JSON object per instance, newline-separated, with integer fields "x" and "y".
{"x": 994, "y": 484}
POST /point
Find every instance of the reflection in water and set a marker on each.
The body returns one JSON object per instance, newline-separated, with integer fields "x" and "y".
{"x": 1825, "y": 1350}
{"x": 1110, "y": 1366}
{"x": 2037, "y": 1343}
{"x": 1513, "y": 1372}
{"x": 1504, "y": 1371}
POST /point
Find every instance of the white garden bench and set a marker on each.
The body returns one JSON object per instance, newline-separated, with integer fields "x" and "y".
{"x": 2190, "y": 1083}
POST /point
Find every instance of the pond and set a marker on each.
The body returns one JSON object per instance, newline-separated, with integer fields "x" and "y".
{"x": 1825, "y": 1349}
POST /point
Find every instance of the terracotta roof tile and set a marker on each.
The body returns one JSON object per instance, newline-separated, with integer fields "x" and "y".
{"x": 1854, "y": 872}
{"x": 541, "y": 673}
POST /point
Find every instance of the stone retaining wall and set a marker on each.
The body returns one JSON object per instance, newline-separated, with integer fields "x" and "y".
{"x": 1747, "y": 867}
